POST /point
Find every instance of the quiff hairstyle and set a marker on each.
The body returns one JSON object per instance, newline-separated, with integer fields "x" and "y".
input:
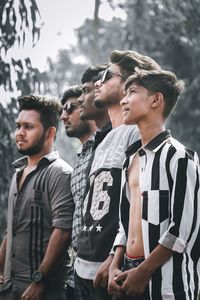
{"x": 129, "y": 60}
{"x": 73, "y": 91}
{"x": 48, "y": 108}
{"x": 159, "y": 81}
{"x": 93, "y": 73}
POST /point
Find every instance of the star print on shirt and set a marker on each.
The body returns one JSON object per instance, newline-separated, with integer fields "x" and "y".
{"x": 98, "y": 228}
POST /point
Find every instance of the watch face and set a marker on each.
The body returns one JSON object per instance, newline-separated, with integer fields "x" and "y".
{"x": 37, "y": 276}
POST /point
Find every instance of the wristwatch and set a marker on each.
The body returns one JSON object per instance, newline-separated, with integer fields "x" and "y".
{"x": 38, "y": 276}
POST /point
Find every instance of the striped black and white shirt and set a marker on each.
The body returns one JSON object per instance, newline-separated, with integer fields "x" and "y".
{"x": 170, "y": 205}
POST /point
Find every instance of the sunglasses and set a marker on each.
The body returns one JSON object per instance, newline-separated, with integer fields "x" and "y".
{"x": 70, "y": 107}
{"x": 108, "y": 74}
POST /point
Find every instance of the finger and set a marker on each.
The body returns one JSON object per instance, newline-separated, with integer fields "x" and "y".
{"x": 121, "y": 277}
{"x": 115, "y": 290}
{"x": 96, "y": 281}
{"x": 104, "y": 281}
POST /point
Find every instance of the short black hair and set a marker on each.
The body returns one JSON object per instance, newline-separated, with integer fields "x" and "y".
{"x": 72, "y": 91}
{"x": 93, "y": 73}
{"x": 48, "y": 108}
{"x": 161, "y": 81}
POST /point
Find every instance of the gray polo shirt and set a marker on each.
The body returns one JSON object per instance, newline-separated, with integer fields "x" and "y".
{"x": 43, "y": 203}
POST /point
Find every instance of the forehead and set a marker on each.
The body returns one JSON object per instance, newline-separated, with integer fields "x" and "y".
{"x": 28, "y": 116}
{"x": 89, "y": 85}
{"x": 71, "y": 100}
{"x": 114, "y": 68}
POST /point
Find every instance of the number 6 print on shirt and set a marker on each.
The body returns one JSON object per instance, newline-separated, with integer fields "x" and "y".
{"x": 101, "y": 201}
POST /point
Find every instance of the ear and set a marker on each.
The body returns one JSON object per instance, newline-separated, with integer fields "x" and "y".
{"x": 157, "y": 100}
{"x": 50, "y": 133}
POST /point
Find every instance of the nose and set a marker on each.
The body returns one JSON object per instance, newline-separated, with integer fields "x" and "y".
{"x": 97, "y": 84}
{"x": 64, "y": 115}
{"x": 123, "y": 101}
{"x": 19, "y": 131}
{"x": 80, "y": 99}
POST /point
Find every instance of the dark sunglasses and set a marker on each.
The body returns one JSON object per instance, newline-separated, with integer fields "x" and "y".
{"x": 108, "y": 74}
{"x": 70, "y": 107}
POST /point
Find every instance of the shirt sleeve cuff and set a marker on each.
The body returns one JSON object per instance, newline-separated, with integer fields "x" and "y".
{"x": 172, "y": 242}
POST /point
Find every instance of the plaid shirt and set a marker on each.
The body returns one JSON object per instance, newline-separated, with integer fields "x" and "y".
{"x": 79, "y": 179}
{"x": 78, "y": 184}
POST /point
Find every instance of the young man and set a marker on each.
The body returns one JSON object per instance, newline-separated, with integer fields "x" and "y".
{"x": 40, "y": 208}
{"x": 100, "y": 212}
{"x": 70, "y": 116}
{"x": 162, "y": 188}
{"x": 84, "y": 130}
{"x": 87, "y": 111}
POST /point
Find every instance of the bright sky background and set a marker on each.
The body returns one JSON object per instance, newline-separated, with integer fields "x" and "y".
{"x": 60, "y": 17}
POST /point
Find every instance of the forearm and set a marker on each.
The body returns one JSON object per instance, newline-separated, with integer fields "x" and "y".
{"x": 156, "y": 259}
{"x": 3, "y": 254}
{"x": 58, "y": 243}
{"x": 118, "y": 257}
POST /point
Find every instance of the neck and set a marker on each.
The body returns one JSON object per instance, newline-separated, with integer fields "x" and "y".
{"x": 34, "y": 159}
{"x": 115, "y": 114}
{"x": 102, "y": 121}
{"x": 149, "y": 131}
{"x": 85, "y": 137}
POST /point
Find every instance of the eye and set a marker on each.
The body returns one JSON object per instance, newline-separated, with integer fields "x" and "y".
{"x": 132, "y": 91}
{"x": 28, "y": 126}
{"x": 108, "y": 76}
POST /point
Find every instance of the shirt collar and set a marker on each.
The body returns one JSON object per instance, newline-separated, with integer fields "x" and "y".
{"x": 87, "y": 144}
{"x": 101, "y": 133}
{"x": 154, "y": 145}
{"x": 23, "y": 161}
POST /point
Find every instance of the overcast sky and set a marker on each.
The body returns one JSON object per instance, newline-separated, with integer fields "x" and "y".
{"x": 60, "y": 18}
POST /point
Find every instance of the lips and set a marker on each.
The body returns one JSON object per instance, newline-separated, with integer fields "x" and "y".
{"x": 67, "y": 125}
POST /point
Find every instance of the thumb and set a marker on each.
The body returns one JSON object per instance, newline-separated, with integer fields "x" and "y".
{"x": 120, "y": 277}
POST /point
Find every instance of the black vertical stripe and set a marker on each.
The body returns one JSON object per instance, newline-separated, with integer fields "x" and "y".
{"x": 38, "y": 184}
{"x": 154, "y": 235}
{"x": 179, "y": 197}
{"x": 155, "y": 176}
{"x": 31, "y": 242}
{"x": 145, "y": 206}
{"x": 177, "y": 281}
{"x": 194, "y": 222}
{"x": 195, "y": 257}
{"x": 154, "y": 231}
{"x": 170, "y": 154}
{"x": 41, "y": 234}
{"x": 36, "y": 224}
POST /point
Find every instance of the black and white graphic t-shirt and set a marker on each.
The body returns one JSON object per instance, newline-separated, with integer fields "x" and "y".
{"x": 101, "y": 205}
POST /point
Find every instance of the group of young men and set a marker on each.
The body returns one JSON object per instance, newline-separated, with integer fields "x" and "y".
{"x": 130, "y": 207}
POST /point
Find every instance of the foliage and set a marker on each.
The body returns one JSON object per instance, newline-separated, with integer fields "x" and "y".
{"x": 169, "y": 32}
{"x": 16, "y": 18}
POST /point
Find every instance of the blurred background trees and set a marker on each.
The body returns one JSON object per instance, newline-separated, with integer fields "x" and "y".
{"x": 168, "y": 31}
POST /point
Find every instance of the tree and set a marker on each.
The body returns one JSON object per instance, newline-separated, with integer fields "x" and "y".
{"x": 25, "y": 14}
{"x": 169, "y": 32}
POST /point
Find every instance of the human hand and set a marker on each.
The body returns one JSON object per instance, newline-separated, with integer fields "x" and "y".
{"x": 114, "y": 286}
{"x": 35, "y": 291}
{"x": 101, "y": 278}
{"x": 134, "y": 281}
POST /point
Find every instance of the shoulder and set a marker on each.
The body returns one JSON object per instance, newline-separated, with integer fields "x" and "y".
{"x": 59, "y": 166}
{"x": 181, "y": 153}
